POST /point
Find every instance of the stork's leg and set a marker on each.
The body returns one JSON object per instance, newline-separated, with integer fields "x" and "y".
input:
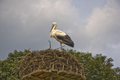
{"x": 61, "y": 45}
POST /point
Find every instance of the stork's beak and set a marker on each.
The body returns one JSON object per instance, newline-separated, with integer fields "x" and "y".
{"x": 51, "y": 28}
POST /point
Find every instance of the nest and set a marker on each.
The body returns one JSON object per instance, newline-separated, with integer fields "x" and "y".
{"x": 49, "y": 61}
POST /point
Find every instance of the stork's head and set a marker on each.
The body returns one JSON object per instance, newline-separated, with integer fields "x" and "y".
{"x": 54, "y": 24}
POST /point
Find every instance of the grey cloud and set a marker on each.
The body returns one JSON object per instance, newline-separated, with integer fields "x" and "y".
{"x": 26, "y": 24}
{"x": 100, "y": 32}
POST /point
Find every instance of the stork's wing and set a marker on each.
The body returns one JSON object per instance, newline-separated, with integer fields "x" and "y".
{"x": 66, "y": 39}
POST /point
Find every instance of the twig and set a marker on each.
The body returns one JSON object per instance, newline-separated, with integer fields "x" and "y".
{"x": 21, "y": 57}
{"x": 49, "y": 44}
{"x": 50, "y": 75}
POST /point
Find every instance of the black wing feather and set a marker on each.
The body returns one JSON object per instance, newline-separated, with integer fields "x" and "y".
{"x": 67, "y": 39}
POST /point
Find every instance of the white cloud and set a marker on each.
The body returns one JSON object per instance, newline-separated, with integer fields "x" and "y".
{"x": 100, "y": 32}
{"x": 103, "y": 26}
{"x": 26, "y": 23}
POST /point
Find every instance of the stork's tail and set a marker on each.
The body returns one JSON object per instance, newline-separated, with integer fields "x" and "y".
{"x": 71, "y": 44}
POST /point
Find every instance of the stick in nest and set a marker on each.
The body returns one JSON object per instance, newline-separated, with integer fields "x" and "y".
{"x": 49, "y": 44}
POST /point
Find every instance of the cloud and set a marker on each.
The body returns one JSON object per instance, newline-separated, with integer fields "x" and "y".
{"x": 103, "y": 25}
{"x": 26, "y": 23}
{"x": 100, "y": 32}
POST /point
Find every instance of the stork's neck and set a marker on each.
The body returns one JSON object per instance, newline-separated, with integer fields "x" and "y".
{"x": 54, "y": 27}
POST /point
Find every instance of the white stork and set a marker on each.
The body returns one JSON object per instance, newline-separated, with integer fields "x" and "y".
{"x": 60, "y": 36}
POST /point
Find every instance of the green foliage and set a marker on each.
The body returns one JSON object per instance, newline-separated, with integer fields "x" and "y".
{"x": 117, "y": 71}
{"x": 97, "y": 67}
{"x": 7, "y": 67}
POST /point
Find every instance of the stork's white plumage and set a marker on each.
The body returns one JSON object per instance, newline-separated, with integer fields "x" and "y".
{"x": 60, "y": 36}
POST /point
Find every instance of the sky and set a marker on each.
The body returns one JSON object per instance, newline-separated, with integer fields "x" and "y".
{"x": 92, "y": 25}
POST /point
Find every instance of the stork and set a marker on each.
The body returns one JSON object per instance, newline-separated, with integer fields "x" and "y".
{"x": 60, "y": 36}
